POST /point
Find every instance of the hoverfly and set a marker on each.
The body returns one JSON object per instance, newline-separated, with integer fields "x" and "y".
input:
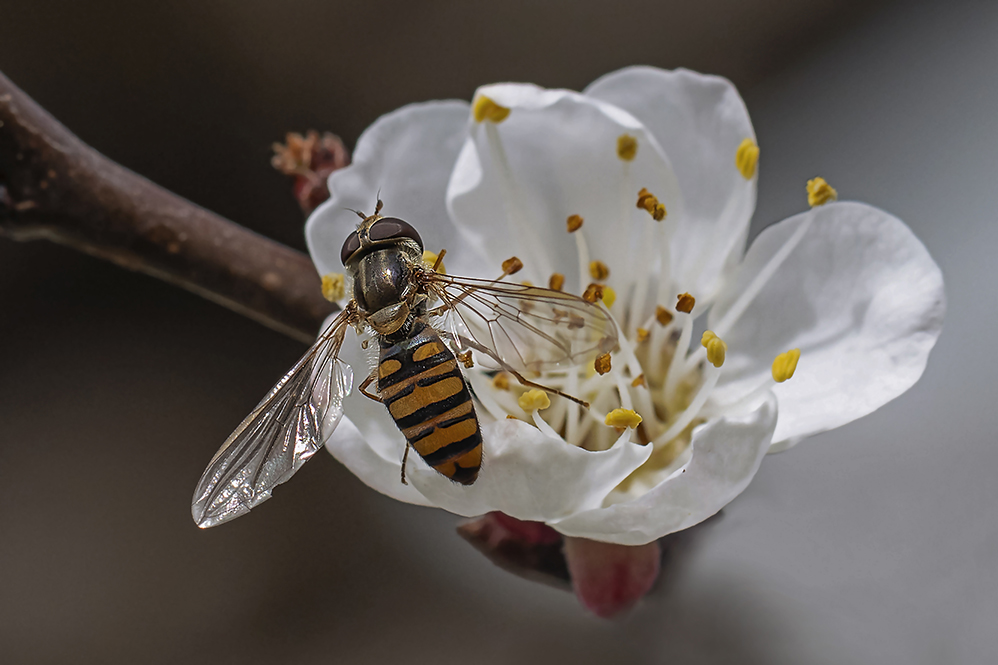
{"x": 424, "y": 321}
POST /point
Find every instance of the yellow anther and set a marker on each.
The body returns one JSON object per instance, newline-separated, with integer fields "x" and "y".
{"x": 648, "y": 201}
{"x": 512, "y": 265}
{"x": 609, "y": 296}
{"x": 556, "y": 282}
{"x": 820, "y": 192}
{"x": 746, "y": 158}
{"x": 715, "y": 348}
{"x": 627, "y": 147}
{"x": 685, "y": 303}
{"x": 534, "y": 400}
{"x": 501, "y": 381}
{"x": 622, "y": 418}
{"x": 593, "y": 293}
{"x": 574, "y": 223}
{"x": 486, "y": 109}
{"x": 334, "y": 286}
{"x": 602, "y": 364}
{"x": 662, "y": 315}
{"x": 599, "y": 271}
{"x": 643, "y": 334}
{"x": 785, "y": 365}
{"x": 430, "y": 259}
{"x": 639, "y": 381}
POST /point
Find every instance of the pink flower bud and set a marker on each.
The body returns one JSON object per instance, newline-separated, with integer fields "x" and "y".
{"x": 610, "y": 579}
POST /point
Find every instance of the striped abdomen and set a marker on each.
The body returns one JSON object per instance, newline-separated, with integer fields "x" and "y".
{"x": 426, "y": 395}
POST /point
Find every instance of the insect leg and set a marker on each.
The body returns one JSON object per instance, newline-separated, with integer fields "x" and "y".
{"x": 363, "y": 389}
{"x": 405, "y": 458}
{"x": 471, "y": 344}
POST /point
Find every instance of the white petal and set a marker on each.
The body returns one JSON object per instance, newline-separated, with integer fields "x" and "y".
{"x": 862, "y": 299}
{"x": 726, "y": 453}
{"x": 353, "y": 450}
{"x": 699, "y": 121}
{"x": 530, "y": 476}
{"x": 561, "y": 153}
{"x": 408, "y": 156}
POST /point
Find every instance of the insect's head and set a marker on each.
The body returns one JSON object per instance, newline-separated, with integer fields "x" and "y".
{"x": 375, "y": 232}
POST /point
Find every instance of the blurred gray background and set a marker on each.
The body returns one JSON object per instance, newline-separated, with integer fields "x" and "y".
{"x": 877, "y": 543}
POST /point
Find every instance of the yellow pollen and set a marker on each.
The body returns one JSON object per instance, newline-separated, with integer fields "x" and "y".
{"x": 685, "y": 303}
{"x": 556, "y": 282}
{"x": 602, "y": 364}
{"x": 622, "y": 418}
{"x": 746, "y": 158}
{"x": 643, "y": 334}
{"x": 640, "y": 381}
{"x": 648, "y": 201}
{"x": 785, "y": 365}
{"x": 574, "y": 223}
{"x": 534, "y": 400}
{"x": 599, "y": 271}
{"x": 486, "y": 109}
{"x": 593, "y": 293}
{"x": 609, "y": 296}
{"x": 715, "y": 348}
{"x": 334, "y": 286}
{"x": 662, "y": 315}
{"x": 627, "y": 147}
{"x": 512, "y": 265}
{"x": 820, "y": 192}
{"x": 501, "y": 381}
{"x": 430, "y": 259}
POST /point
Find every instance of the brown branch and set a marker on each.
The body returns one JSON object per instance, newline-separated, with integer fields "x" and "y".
{"x": 54, "y": 186}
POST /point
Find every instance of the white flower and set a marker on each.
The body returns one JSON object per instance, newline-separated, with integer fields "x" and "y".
{"x": 845, "y": 283}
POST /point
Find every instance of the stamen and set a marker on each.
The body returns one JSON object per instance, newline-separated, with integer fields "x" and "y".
{"x": 609, "y": 296}
{"x": 639, "y": 381}
{"x": 715, "y": 346}
{"x": 574, "y": 223}
{"x": 599, "y": 271}
{"x": 485, "y": 108}
{"x": 691, "y": 411}
{"x": 602, "y": 363}
{"x": 622, "y": 419}
{"x": 593, "y": 293}
{"x": 534, "y": 400}
{"x": 334, "y": 286}
{"x": 820, "y": 192}
{"x": 648, "y": 201}
{"x": 676, "y": 366}
{"x": 642, "y": 334}
{"x": 511, "y": 266}
{"x": 685, "y": 303}
{"x": 557, "y": 282}
{"x": 663, "y": 316}
{"x": 501, "y": 381}
{"x": 746, "y": 158}
{"x": 627, "y": 147}
{"x": 581, "y": 248}
{"x": 430, "y": 259}
{"x": 785, "y": 365}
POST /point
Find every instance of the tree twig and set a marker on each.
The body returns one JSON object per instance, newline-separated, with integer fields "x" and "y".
{"x": 54, "y": 186}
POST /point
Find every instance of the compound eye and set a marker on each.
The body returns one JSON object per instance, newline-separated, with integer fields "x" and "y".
{"x": 393, "y": 227}
{"x": 350, "y": 245}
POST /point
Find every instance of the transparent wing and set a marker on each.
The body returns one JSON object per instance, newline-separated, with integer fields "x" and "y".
{"x": 527, "y": 328}
{"x": 282, "y": 433}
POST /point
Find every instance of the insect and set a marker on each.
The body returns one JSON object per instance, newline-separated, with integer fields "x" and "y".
{"x": 424, "y": 321}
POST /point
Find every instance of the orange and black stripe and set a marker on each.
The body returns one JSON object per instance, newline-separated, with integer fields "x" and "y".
{"x": 425, "y": 392}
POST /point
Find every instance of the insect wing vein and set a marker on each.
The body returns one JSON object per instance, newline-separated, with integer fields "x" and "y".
{"x": 286, "y": 429}
{"x": 528, "y": 328}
